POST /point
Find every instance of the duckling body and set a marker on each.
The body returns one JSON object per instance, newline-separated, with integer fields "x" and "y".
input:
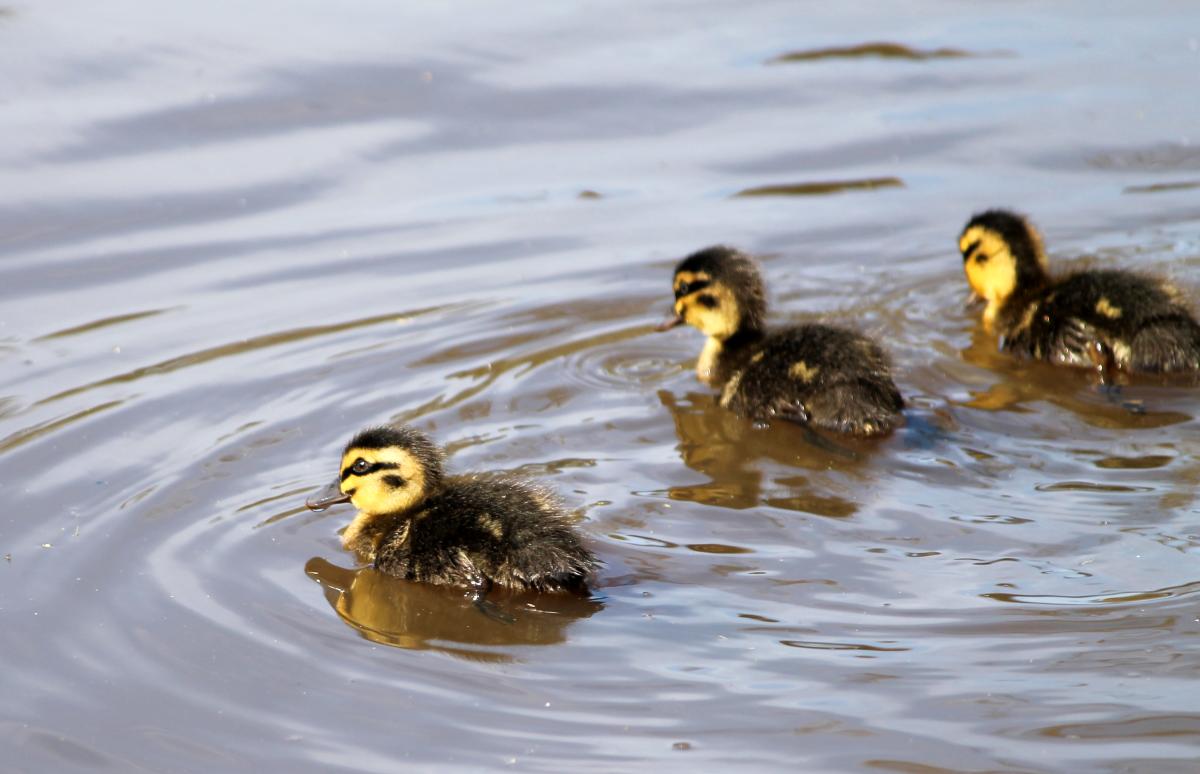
{"x": 474, "y": 531}
{"x": 1106, "y": 319}
{"x": 504, "y": 531}
{"x": 820, "y": 375}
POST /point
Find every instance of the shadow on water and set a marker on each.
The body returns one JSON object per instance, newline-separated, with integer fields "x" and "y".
{"x": 420, "y": 616}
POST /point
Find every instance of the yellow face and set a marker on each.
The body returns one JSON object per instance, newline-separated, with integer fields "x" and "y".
{"x": 990, "y": 267}
{"x": 382, "y": 481}
{"x": 706, "y": 305}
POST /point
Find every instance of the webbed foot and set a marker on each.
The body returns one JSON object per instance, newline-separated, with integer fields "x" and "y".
{"x": 1112, "y": 393}
{"x": 492, "y": 610}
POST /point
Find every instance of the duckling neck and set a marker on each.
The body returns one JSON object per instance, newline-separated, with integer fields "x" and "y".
{"x": 721, "y": 358}
{"x": 364, "y": 534}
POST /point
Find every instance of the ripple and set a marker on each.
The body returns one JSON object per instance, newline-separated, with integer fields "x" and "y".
{"x": 1114, "y": 598}
{"x": 239, "y": 347}
{"x": 104, "y": 322}
{"x": 1090, "y": 486}
{"x": 1149, "y": 727}
{"x": 1135, "y": 463}
{"x": 1161, "y": 187}
{"x": 879, "y": 50}
{"x": 626, "y": 367}
{"x": 991, "y": 518}
{"x": 718, "y": 548}
{"x": 821, "y": 188}
{"x": 814, "y": 645}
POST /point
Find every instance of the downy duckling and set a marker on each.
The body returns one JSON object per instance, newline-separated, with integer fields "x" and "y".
{"x": 818, "y": 375}
{"x": 1105, "y": 319}
{"x": 477, "y": 531}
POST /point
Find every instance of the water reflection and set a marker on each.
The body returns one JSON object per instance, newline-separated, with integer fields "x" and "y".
{"x": 1121, "y": 404}
{"x": 724, "y": 446}
{"x": 421, "y": 616}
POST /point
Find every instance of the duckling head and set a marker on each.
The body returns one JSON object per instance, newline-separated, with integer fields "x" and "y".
{"x": 719, "y": 291}
{"x": 1002, "y": 254}
{"x": 385, "y": 470}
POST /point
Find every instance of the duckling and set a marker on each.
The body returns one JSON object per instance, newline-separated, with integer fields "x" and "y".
{"x": 415, "y": 522}
{"x": 816, "y": 375}
{"x": 1109, "y": 320}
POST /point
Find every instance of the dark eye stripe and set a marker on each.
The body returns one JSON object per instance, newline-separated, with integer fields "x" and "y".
{"x": 971, "y": 248}
{"x": 348, "y": 472}
{"x": 688, "y": 288}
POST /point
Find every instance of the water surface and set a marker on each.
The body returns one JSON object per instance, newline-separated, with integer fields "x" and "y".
{"x": 232, "y": 237}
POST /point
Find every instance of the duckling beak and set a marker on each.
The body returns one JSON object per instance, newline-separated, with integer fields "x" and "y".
{"x": 669, "y": 323}
{"x": 330, "y": 495}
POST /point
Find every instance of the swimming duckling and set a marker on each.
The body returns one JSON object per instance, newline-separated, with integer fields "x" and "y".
{"x": 414, "y": 522}
{"x": 813, "y": 374}
{"x": 1107, "y": 319}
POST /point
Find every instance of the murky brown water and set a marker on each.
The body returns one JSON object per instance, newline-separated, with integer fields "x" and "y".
{"x": 234, "y": 234}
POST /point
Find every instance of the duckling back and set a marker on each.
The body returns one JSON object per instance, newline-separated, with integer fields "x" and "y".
{"x": 489, "y": 529}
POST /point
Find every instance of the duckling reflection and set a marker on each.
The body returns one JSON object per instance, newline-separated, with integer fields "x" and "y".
{"x": 422, "y": 616}
{"x": 723, "y": 446}
{"x": 1025, "y": 382}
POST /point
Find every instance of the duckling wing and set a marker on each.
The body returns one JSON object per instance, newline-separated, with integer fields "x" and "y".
{"x": 513, "y": 533}
{"x": 819, "y": 375}
{"x": 1072, "y": 341}
{"x": 1109, "y": 319}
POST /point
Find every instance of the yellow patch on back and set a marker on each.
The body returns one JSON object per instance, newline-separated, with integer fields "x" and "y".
{"x": 1104, "y": 307}
{"x": 1174, "y": 294}
{"x": 1027, "y": 318}
{"x": 801, "y": 370}
{"x": 991, "y": 270}
{"x": 1122, "y": 353}
{"x": 490, "y": 525}
{"x": 730, "y": 389}
{"x": 757, "y": 357}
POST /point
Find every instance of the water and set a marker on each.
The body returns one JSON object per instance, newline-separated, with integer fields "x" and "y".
{"x": 234, "y": 235}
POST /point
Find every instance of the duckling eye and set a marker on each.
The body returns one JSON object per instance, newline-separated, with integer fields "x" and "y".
{"x": 360, "y": 466}
{"x": 685, "y": 288}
